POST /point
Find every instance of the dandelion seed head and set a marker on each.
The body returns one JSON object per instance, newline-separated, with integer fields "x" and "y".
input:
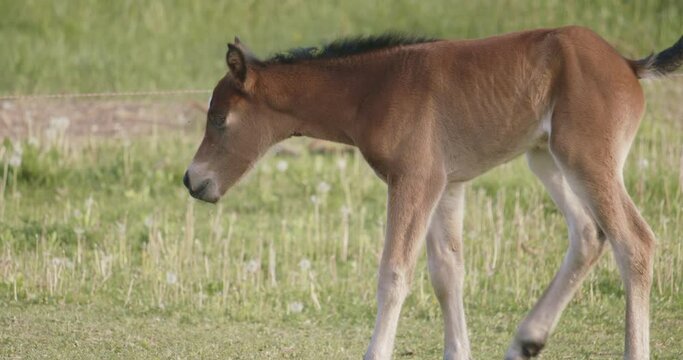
{"x": 15, "y": 160}
{"x": 295, "y": 307}
{"x": 304, "y": 264}
{"x": 17, "y": 148}
{"x": 60, "y": 123}
{"x": 282, "y": 166}
{"x": 62, "y": 262}
{"x": 252, "y": 266}
{"x": 171, "y": 278}
{"x": 323, "y": 187}
{"x": 341, "y": 164}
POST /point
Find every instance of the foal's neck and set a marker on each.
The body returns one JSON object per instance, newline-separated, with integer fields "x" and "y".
{"x": 324, "y": 97}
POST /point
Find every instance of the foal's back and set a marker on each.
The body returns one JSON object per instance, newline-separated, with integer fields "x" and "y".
{"x": 495, "y": 98}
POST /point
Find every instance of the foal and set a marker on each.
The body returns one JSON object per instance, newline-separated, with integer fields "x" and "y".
{"x": 429, "y": 115}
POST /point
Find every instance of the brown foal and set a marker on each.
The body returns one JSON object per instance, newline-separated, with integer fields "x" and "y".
{"x": 430, "y": 115}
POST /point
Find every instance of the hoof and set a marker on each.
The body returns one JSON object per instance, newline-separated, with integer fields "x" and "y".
{"x": 524, "y": 350}
{"x": 531, "y": 349}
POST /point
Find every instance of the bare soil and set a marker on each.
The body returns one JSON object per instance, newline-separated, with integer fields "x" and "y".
{"x": 75, "y": 118}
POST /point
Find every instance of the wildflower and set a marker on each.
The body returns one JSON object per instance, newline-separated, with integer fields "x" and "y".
{"x": 304, "y": 264}
{"x": 341, "y": 164}
{"x": 171, "y": 278}
{"x": 295, "y": 307}
{"x": 252, "y": 266}
{"x": 17, "y": 148}
{"x": 60, "y": 123}
{"x": 89, "y": 202}
{"x": 314, "y": 199}
{"x": 62, "y": 262}
{"x": 15, "y": 160}
{"x": 323, "y": 187}
{"x": 79, "y": 231}
{"x": 643, "y": 164}
{"x": 282, "y": 166}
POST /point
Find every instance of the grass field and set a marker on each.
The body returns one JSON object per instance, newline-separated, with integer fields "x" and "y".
{"x": 104, "y": 255}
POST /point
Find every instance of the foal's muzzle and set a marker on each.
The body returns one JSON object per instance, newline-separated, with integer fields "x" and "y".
{"x": 204, "y": 190}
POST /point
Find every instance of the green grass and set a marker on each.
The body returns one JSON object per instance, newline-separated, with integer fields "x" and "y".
{"x": 104, "y": 255}
{"x": 86, "y": 45}
{"x": 103, "y": 252}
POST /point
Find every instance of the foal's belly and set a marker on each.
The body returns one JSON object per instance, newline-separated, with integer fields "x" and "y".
{"x": 476, "y": 148}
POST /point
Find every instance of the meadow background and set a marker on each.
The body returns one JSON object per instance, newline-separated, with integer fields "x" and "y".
{"x": 103, "y": 254}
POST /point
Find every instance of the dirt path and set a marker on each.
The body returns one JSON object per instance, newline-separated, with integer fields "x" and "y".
{"x": 20, "y": 119}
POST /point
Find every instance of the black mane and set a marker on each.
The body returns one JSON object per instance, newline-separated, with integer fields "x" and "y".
{"x": 347, "y": 47}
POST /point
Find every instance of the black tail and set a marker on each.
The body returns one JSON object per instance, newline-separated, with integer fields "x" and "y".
{"x": 660, "y": 64}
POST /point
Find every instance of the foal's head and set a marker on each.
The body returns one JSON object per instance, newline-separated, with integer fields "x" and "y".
{"x": 240, "y": 127}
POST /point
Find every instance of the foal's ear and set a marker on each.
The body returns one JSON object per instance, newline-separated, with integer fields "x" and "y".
{"x": 239, "y": 57}
{"x": 236, "y": 62}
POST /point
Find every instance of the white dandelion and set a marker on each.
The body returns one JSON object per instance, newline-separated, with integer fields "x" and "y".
{"x": 304, "y": 264}
{"x": 296, "y": 307}
{"x": 341, "y": 164}
{"x": 60, "y": 123}
{"x": 323, "y": 187}
{"x": 15, "y": 160}
{"x": 89, "y": 202}
{"x": 282, "y": 166}
{"x": 171, "y": 278}
{"x": 252, "y": 266}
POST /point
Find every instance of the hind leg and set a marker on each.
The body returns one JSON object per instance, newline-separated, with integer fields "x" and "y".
{"x": 633, "y": 244}
{"x": 592, "y": 162}
{"x": 585, "y": 247}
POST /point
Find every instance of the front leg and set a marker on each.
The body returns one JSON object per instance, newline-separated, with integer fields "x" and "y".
{"x": 447, "y": 269}
{"x": 411, "y": 202}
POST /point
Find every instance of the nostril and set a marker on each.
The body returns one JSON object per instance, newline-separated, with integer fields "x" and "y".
{"x": 186, "y": 180}
{"x": 202, "y": 187}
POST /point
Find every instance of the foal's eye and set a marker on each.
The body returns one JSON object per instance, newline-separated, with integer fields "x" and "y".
{"x": 217, "y": 120}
